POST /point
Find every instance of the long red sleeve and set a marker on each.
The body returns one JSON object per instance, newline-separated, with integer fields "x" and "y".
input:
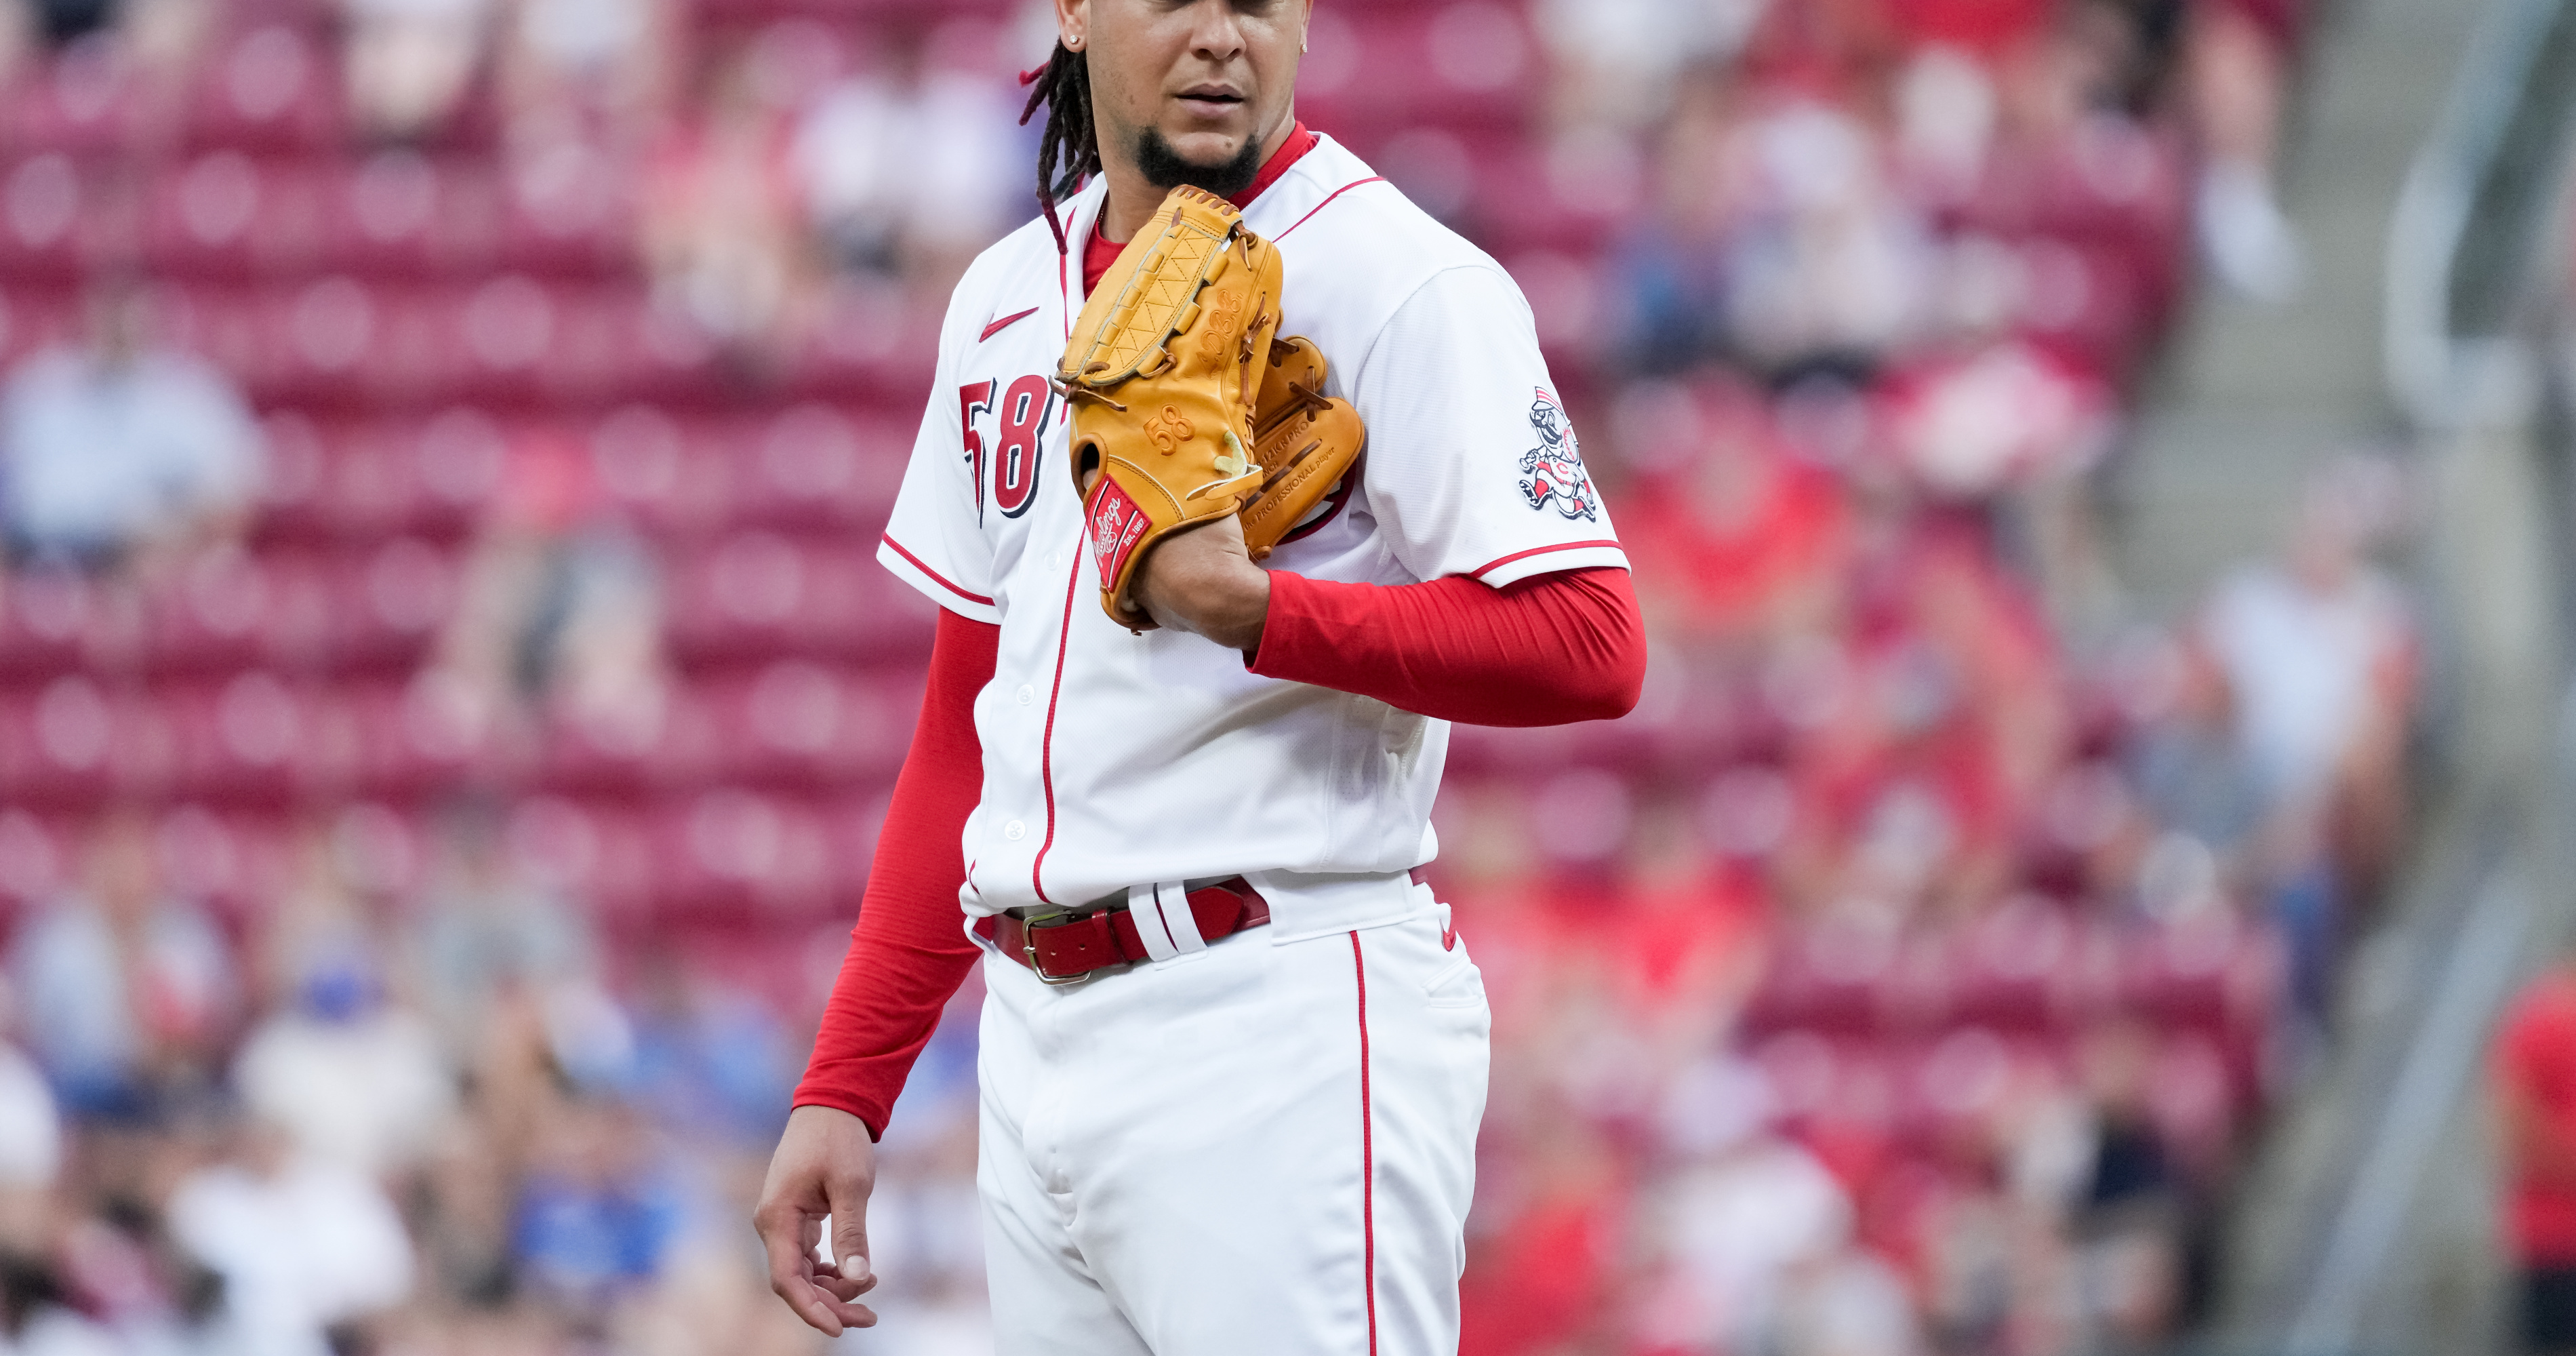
{"x": 909, "y": 951}
{"x": 1549, "y": 650}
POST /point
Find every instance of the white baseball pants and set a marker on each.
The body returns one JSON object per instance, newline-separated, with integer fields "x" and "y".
{"x": 1264, "y": 1146}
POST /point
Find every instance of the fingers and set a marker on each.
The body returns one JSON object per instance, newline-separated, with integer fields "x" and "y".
{"x": 849, "y": 1195}
{"x": 832, "y": 1283}
{"x": 824, "y": 1168}
{"x": 851, "y": 1315}
{"x": 787, "y": 1236}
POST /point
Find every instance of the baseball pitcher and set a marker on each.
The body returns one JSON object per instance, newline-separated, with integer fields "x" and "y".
{"x": 1241, "y": 479}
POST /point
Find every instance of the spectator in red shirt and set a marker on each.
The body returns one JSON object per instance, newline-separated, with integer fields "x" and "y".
{"x": 2536, "y": 1078}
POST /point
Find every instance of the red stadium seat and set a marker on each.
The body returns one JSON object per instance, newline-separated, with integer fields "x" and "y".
{"x": 226, "y": 322}
{"x": 2021, "y": 968}
{"x": 241, "y": 863}
{"x": 77, "y": 740}
{"x": 821, "y": 467}
{"x": 1571, "y": 198}
{"x": 313, "y": 342}
{"x": 755, "y": 594}
{"x": 1470, "y": 63}
{"x": 868, "y": 341}
{"x": 1832, "y": 1087}
{"x": 600, "y": 858}
{"x": 670, "y": 477}
{"x": 413, "y": 356}
{"x": 2182, "y": 973}
{"x": 602, "y": 347}
{"x": 51, "y": 622}
{"x": 1830, "y": 977}
{"x": 219, "y": 614}
{"x": 435, "y": 477}
{"x": 294, "y": 504}
{"x": 270, "y": 87}
{"x": 2087, "y": 302}
{"x": 411, "y": 739}
{"x": 343, "y": 342}
{"x": 851, "y": 824}
{"x": 499, "y": 336}
{"x": 566, "y": 210}
{"x": 389, "y": 602}
{"x": 224, "y": 214}
{"x": 84, "y": 99}
{"x": 799, "y": 723}
{"x": 675, "y": 747}
{"x": 745, "y": 855}
{"x": 255, "y": 737}
{"x": 39, "y": 858}
{"x": 1953, "y": 1088}
{"x": 58, "y": 215}
{"x": 33, "y": 317}
{"x": 401, "y": 214}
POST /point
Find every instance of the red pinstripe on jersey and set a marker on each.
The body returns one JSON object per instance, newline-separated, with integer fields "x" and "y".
{"x": 1368, "y": 1153}
{"x": 1327, "y": 202}
{"x": 1046, "y": 746}
{"x": 942, "y": 580}
{"x": 1492, "y": 565}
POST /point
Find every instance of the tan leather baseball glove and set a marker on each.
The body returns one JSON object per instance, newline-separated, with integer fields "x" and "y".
{"x": 1305, "y": 441}
{"x": 1161, "y": 373}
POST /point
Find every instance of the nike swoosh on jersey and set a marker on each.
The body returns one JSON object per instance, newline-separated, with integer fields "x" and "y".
{"x": 1006, "y": 322}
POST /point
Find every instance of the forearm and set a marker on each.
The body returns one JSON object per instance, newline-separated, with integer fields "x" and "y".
{"x": 1551, "y": 650}
{"x": 909, "y": 951}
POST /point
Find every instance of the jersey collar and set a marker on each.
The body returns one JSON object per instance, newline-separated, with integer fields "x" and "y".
{"x": 1301, "y": 139}
{"x": 1289, "y": 153}
{"x": 1098, "y": 252}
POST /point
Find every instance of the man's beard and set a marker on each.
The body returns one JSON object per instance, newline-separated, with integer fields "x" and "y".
{"x": 1164, "y": 168}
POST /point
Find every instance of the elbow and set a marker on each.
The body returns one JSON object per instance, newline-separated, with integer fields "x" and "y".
{"x": 1608, "y": 686}
{"x": 1620, "y": 678}
{"x": 1613, "y": 691}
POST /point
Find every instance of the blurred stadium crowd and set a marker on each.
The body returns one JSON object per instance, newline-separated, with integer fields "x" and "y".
{"x": 446, "y": 696}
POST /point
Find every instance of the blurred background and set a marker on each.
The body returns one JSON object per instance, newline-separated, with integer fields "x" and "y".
{"x": 2097, "y": 472}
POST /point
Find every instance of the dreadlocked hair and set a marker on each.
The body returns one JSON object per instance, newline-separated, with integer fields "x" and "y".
{"x": 1068, "y": 149}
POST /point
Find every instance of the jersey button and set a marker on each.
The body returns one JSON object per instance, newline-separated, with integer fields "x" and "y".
{"x": 1028, "y": 694}
{"x": 1054, "y": 559}
{"x": 1015, "y": 831}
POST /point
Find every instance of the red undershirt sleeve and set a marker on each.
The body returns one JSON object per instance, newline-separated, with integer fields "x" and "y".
{"x": 910, "y": 951}
{"x": 1548, "y": 650}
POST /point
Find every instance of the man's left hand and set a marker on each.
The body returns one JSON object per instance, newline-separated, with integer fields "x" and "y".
{"x": 1203, "y": 581}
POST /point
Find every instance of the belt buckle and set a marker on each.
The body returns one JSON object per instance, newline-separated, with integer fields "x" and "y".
{"x": 1029, "y": 949}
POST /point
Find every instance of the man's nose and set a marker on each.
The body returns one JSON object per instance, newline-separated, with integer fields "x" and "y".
{"x": 1217, "y": 32}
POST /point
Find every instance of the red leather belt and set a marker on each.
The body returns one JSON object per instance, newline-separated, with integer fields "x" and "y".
{"x": 1062, "y": 948}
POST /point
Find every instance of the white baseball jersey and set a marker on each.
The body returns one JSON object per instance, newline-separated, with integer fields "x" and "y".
{"x": 1113, "y": 759}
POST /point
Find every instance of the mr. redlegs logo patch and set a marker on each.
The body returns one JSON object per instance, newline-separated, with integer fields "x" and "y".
{"x": 1552, "y": 472}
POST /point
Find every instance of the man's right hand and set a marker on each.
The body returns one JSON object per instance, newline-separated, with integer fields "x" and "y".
{"x": 825, "y": 1165}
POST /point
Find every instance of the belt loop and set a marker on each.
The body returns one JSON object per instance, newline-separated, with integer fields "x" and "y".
{"x": 1164, "y": 922}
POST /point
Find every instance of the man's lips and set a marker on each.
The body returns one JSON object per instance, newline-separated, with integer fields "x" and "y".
{"x": 1210, "y": 101}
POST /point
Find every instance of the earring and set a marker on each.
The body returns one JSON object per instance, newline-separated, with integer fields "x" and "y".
{"x": 1073, "y": 44}
{"x": 1301, "y": 42}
